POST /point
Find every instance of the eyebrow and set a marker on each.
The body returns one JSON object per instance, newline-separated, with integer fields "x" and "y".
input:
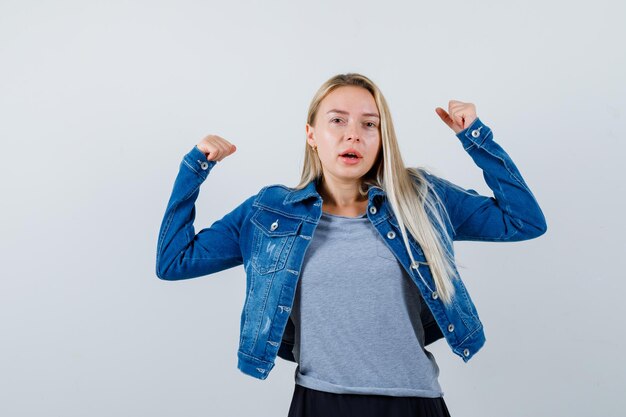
{"x": 345, "y": 112}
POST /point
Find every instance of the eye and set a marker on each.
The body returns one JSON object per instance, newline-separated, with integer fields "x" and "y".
{"x": 335, "y": 118}
{"x": 371, "y": 124}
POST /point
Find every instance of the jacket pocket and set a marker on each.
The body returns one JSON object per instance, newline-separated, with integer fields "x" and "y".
{"x": 274, "y": 235}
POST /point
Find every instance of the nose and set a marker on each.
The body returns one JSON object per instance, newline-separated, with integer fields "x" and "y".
{"x": 352, "y": 132}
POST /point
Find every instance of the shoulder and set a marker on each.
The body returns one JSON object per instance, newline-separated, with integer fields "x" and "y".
{"x": 431, "y": 180}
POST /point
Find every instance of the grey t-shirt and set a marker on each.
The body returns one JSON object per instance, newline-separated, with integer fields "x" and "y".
{"x": 357, "y": 316}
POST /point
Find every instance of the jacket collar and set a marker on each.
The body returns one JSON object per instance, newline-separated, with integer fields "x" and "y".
{"x": 310, "y": 191}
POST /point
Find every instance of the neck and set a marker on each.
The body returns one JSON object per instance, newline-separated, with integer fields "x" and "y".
{"x": 340, "y": 194}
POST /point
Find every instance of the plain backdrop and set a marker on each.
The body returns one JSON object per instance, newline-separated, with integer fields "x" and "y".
{"x": 99, "y": 102}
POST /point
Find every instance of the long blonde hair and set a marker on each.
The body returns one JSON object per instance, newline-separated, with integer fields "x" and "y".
{"x": 408, "y": 191}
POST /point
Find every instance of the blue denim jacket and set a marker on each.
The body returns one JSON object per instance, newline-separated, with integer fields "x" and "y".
{"x": 270, "y": 231}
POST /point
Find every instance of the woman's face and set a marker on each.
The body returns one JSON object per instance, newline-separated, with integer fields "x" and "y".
{"x": 347, "y": 119}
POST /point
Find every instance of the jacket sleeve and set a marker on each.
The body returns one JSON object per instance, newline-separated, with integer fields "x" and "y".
{"x": 513, "y": 214}
{"x": 181, "y": 253}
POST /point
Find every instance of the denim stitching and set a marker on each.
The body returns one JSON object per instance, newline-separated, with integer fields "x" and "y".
{"x": 192, "y": 168}
{"x": 246, "y": 309}
{"x": 480, "y": 326}
{"x": 286, "y": 214}
{"x": 169, "y": 221}
{"x": 279, "y": 310}
{"x": 263, "y": 309}
{"x": 165, "y": 230}
{"x": 507, "y": 207}
{"x": 510, "y": 171}
{"x": 254, "y": 358}
{"x": 458, "y": 310}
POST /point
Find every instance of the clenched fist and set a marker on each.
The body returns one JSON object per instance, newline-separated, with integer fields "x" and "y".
{"x": 459, "y": 116}
{"x": 216, "y": 148}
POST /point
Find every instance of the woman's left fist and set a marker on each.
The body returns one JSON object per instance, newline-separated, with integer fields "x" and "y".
{"x": 459, "y": 116}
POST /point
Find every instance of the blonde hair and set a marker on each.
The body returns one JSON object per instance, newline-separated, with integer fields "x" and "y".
{"x": 408, "y": 191}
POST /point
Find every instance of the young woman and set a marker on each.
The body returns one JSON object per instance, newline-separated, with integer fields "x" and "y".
{"x": 351, "y": 273}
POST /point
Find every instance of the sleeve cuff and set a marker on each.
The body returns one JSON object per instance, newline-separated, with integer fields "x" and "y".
{"x": 196, "y": 161}
{"x": 474, "y": 135}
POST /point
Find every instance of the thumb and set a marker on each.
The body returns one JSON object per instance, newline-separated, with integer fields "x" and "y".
{"x": 447, "y": 119}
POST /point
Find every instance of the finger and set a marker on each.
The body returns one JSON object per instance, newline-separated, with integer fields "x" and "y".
{"x": 458, "y": 116}
{"x": 454, "y": 104}
{"x": 226, "y": 149}
{"x": 214, "y": 154}
{"x": 202, "y": 148}
{"x": 454, "y": 107}
{"x": 209, "y": 151}
{"x": 219, "y": 151}
{"x": 444, "y": 116}
{"x": 457, "y": 120}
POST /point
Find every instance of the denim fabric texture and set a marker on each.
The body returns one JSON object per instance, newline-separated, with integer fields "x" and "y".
{"x": 270, "y": 231}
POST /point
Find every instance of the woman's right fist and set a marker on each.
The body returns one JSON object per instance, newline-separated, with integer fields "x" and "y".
{"x": 216, "y": 148}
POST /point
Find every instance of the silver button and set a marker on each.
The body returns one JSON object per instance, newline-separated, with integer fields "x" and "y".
{"x": 391, "y": 234}
{"x": 466, "y": 352}
{"x": 415, "y": 265}
{"x": 373, "y": 210}
{"x": 450, "y": 327}
{"x": 274, "y": 226}
{"x": 435, "y": 295}
{"x": 204, "y": 165}
{"x": 475, "y": 133}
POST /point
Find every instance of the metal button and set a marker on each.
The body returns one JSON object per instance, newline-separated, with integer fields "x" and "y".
{"x": 415, "y": 265}
{"x": 466, "y": 352}
{"x": 435, "y": 295}
{"x": 373, "y": 210}
{"x": 391, "y": 234}
{"x": 204, "y": 165}
{"x": 475, "y": 133}
{"x": 274, "y": 226}
{"x": 450, "y": 327}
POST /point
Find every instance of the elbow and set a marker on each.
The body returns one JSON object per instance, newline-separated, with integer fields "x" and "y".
{"x": 162, "y": 271}
{"x": 543, "y": 228}
{"x": 530, "y": 228}
{"x": 169, "y": 268}
{"x": 540, "y": 227}
{"x": 161, "y": 274}
{"x": 539, "y": 230}
{"x": 173, "y": 271}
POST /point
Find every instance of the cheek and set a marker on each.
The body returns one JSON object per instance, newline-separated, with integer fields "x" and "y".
{"x": 376, "y": 146}
{"x": 326, "y": 155}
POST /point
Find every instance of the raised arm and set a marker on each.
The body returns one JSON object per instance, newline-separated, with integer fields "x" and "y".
{"x": 181, "y": 253}
{"x": 512, "y": 214}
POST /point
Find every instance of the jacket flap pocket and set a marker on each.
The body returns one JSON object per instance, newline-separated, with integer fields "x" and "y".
{"x": 275, "y": 224}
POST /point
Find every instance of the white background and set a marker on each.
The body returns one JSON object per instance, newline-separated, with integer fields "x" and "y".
{"x": 99, "y": 102}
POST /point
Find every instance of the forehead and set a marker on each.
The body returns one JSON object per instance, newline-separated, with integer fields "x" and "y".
{"x": 350, "y": 98}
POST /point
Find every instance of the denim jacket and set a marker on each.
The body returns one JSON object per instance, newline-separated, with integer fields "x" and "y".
{"x": 270, "y": 231}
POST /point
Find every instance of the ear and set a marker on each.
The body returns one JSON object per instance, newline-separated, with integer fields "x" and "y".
{"x": 310, "y": 135}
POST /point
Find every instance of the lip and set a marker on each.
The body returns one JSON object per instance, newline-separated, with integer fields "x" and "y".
{"x": 350, "y": 161}
{"x": 351, "y": 150}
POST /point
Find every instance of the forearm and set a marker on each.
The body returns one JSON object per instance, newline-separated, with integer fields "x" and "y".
{"x": 514, "y": 214}
{"x": 177, "y": 231}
